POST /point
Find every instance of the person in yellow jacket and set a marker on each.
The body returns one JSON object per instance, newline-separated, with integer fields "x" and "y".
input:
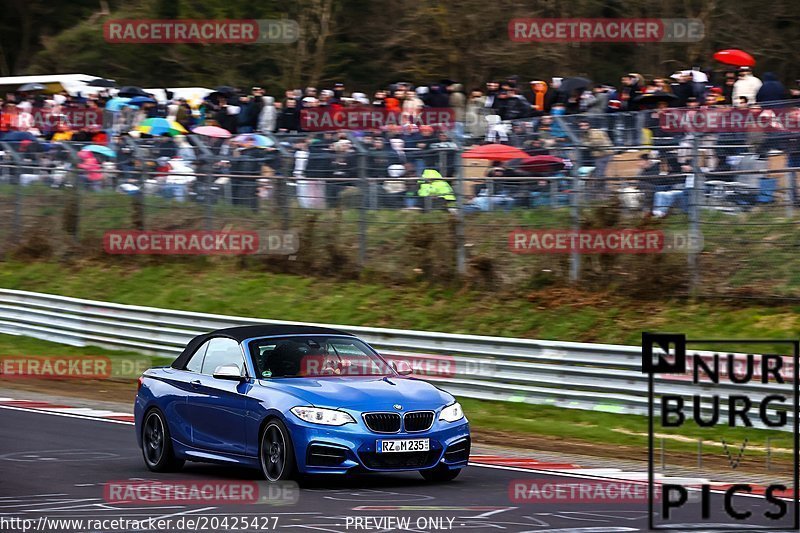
{"x": 63, "y": 133}
{"x": 432, "y": 184}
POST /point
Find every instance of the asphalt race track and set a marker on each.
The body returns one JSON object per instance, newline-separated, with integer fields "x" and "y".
{"x": 57, "y": 467}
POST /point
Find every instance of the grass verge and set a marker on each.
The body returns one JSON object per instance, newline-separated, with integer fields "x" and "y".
{"x": 557, "y": 313}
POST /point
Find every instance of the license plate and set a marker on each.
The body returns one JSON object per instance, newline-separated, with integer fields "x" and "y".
{"x": 404, "y": 445}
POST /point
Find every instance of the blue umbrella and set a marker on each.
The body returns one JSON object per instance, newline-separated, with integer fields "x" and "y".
{"x": 17, "y": 136}
{"x": 31, "y": 87}
{"x": 115, "y": 104}
{"x": 254, "y": 139}
{"x": 99, "y": 149}
{"x": 139, "y": 100}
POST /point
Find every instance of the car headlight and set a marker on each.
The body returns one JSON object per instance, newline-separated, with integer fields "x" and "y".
{"x": 451, "y": 413}
{"x": 326, "y": 417}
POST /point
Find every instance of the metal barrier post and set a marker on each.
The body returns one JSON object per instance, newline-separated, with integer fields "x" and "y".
{"x": 14, "y": 179}
{"x": 282, "y": 188}
{"x": 363, "y": 183}
{"x": 490, "y": 192}
{"x": 575, "y": 216}
{"x": 461, "y": 260}
{"x": 18, "y": 201}
{"x": 72, "y": 220}
{"x": 208, "y": 217}
{"x": 138, "y": 203}
{"x": 695, "y": 195}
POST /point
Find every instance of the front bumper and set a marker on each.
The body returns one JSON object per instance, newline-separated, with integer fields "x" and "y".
{"x": 352, "y": 448}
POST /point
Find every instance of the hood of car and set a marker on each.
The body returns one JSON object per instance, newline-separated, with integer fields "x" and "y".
{"x": 364, "y": 393}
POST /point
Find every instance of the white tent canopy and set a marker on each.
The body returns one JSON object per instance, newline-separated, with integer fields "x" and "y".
{"x": 72, "y": 83}
{"x": 77, "y": 83}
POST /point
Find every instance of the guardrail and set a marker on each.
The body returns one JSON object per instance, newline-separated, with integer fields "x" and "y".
{"x": 598, "y": 377}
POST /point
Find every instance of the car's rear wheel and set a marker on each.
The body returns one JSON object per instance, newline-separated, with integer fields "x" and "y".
{"x": 157, "y": 444}
{"x": 440, "y": 474}
{"x": 276, "y": 452}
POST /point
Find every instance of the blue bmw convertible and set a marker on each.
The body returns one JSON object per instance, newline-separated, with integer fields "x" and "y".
{"x": 296, "y": 400}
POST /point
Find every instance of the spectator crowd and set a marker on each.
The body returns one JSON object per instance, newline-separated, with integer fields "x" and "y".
{"x": 258, "y": 138}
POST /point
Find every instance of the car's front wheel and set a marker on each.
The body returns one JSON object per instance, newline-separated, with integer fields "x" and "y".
{"x": 157, "y": 444}
{"x": 440, "y": 474}
{"x": 276, "y": 452}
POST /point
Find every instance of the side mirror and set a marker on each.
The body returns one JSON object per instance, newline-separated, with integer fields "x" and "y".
{"x": 230, "y": 372}
{"x": 404, "y": 369}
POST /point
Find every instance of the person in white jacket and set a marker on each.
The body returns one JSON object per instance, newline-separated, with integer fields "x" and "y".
{"x": 747, "y": 85}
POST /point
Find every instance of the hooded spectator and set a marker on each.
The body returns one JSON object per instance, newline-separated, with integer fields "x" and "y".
{"x": 772, "y": 90}
{"x": 438, "y": 97}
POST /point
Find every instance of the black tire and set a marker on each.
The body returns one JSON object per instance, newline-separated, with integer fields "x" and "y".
{"x": 157, "y": 444}
{"x": 440, "y": 474}
{"x": 276, "y": 452}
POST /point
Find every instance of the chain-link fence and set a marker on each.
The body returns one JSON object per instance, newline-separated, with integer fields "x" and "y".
{"x": 424, "y": 207}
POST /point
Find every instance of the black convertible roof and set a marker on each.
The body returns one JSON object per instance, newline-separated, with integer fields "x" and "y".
{"x": 241, "y": 333}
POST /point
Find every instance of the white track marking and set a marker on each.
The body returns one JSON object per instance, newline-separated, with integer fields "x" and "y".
{"x": 84, "y": 411}
{"x": 57, "y": 502}
{"x": 576, "y": 474}
{"x": 21, "y": 498}
{"x": 66, "y": 415}
{"x": 490, "y": 513}
{"x": 190, "y": 511}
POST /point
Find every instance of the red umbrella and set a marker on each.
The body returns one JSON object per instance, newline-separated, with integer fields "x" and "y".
{"x": 737, "y": 58}
{"x": 541, "y": 164}
{"x": 494, "y": 152}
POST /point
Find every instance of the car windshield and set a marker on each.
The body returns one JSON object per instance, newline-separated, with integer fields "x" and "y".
{"x": 292, "y": 357}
